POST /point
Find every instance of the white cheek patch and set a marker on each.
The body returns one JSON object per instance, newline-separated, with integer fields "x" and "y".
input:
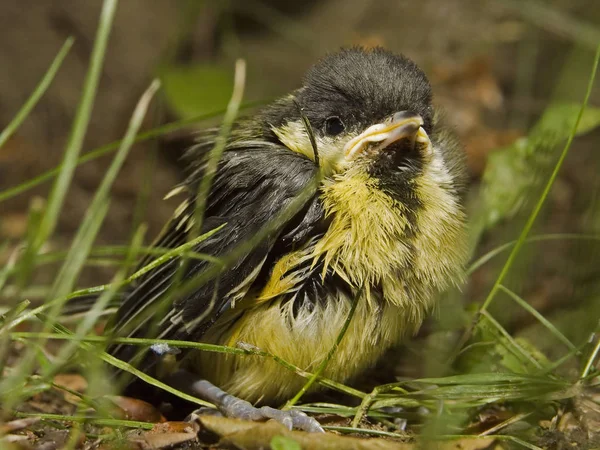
{"x": 294, "y": 136}
{"x": 330, "y": 149}
{"x": 437, "y": 169}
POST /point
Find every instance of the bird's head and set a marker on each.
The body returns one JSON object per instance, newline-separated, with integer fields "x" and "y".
{"x": 369, "y": 110}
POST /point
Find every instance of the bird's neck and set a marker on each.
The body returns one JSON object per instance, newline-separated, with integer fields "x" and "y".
{"x": 367, "y": 236}
{"x": 374, "y": 240}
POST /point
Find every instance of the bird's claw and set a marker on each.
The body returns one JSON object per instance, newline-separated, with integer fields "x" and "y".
{"x": 241, "y": 409}
{"x": 236, "y": 408}
{"x": 290, "y": 419}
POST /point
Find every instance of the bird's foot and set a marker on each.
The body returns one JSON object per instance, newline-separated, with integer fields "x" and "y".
{"x": 233, "y": 407}
{"x": 244, "y": 410}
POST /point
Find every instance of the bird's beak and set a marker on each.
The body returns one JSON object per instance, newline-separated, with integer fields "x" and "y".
{"x": 401, "y": 125}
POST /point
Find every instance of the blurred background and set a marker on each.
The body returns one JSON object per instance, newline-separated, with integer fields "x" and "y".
{"x": 508, "y": 76}
{"x": 496, "y": 66}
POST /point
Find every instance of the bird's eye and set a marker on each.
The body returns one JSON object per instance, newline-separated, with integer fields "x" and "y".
{"x": 334, "y": 126}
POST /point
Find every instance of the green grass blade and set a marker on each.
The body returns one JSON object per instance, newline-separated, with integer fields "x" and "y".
{"x": 8, "y": 268}
{"x": 91, "y": 317}
{"x": 542, "y": 200}
{"x": 323, "y": 365}
{"x": 69, "y": 271}
{"x": 31, "y": 314}
{"x": 484, "y": 259}
{"x": 590, "y": 362}
{"x": 108, "y": 148}
{"x": 203, "y": 189}
{"x": 92, "y": 420}
{"x": 85, "y": 237}
{"x": 92, "y": 222}
{"x": 100, "y": 256}
{"x": 216, "y": 152}
{"x": 26, "y": 335}
{"x": 28, "y": 360}
{"x": 536, "y": 210}
{"x": 131, "y": 369}
{"x": 488, "y": 379}
{"x": 26, "y": 260}
{"x": 510, "y": 342}
{"x": 527, "y": 307}
{"x": 37, "y": 94}
{"x": 80, "y": 124}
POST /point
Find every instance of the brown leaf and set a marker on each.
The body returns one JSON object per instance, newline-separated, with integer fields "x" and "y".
{"x": 173, "y": 427}
{"x": 18, "y": 424}
{"x": 587, "y": 408}
{"x": 167, "y": 434}
{"x": 258, "y": 435}
{"x": 468, "y": 444}
{"x": 72, "y": 381}
{"x": 14, "y": 442}
{"x": 133, "y": 409}
{"x": 158, "y": 441}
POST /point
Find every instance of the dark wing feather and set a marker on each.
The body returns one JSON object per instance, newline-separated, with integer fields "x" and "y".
{"x": 255, "y": 181}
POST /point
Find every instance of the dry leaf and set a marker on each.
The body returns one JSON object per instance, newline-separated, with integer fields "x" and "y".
{"x": 166, "y": 435}
{"x": 72, "y": 381}
{"x": 587, "y": 408}
{"x": 134, "y": 409}
{"x": 258, "y": 435}
{"x": 468, "y": 444}
{"x": 18, "y": 424}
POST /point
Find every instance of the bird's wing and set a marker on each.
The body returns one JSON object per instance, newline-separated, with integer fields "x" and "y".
{"x": 253, "y": 185}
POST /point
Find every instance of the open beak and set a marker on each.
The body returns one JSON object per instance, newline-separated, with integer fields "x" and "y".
{"x": 402, "y": 125}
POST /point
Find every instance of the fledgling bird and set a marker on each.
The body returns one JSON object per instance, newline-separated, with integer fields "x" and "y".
{"x": 384, "y": 226}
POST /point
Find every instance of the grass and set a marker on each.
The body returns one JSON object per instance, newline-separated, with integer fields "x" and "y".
{"x": 37, "y": 93}
{"x": 489, "y": 367}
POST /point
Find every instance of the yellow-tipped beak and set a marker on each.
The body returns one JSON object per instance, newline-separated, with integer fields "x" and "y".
{"x": 402, "y": 125}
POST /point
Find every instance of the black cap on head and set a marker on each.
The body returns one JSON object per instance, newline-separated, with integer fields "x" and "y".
{"x": 359, "y": 87}
{"x": 363, "y": 87}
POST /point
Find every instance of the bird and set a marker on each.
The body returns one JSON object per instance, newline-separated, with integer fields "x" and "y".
{"x": 347, "y": 193}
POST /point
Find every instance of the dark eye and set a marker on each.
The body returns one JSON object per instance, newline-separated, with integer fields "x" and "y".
{"x": 334, "y": 126}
